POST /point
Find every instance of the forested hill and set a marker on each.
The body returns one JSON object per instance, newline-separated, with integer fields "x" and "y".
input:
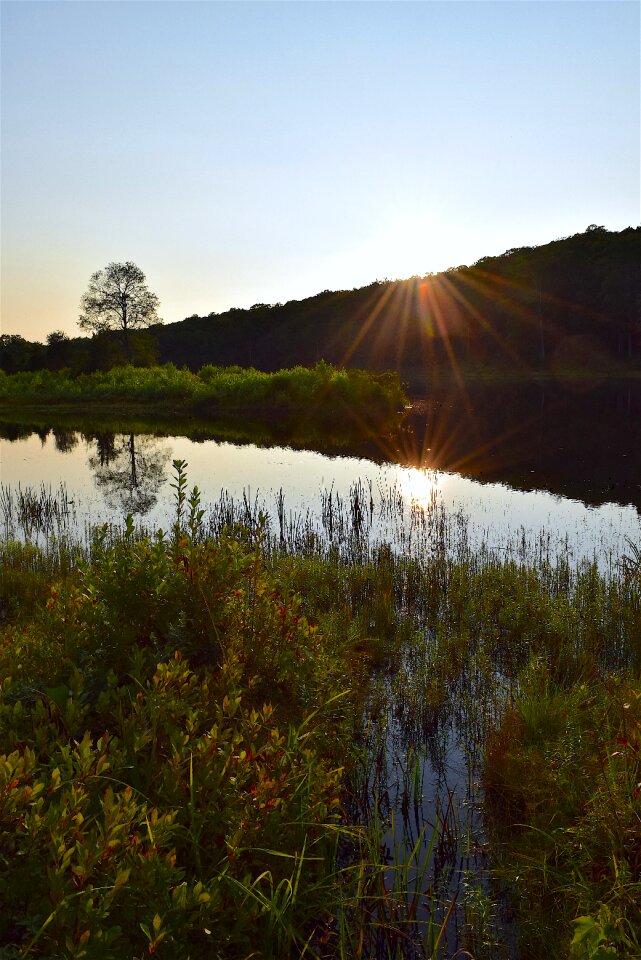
{"x": 574, "y": 302}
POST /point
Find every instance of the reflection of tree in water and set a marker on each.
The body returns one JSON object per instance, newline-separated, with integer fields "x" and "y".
{"x": 129, "y": 469}
{"x": 106, "y": 450}
{"x": 65, "y": 440}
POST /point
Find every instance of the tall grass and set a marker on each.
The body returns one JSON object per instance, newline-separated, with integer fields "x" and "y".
{"x": 39, "y": 511}
{"x": 451, "y": 633}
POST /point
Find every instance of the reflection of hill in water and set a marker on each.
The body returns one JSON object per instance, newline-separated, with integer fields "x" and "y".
{"x": 584, "y": 445}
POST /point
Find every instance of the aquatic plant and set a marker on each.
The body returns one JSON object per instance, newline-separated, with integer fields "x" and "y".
{"x": 30, "y": 511}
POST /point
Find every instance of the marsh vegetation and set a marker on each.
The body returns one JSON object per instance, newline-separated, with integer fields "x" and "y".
{"x": 170, "y": 787}
{"x": 319, "y": 394}
{"x": 369, "y": 726}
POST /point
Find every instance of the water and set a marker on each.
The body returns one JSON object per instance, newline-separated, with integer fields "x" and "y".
{"x": 108, "y": 475}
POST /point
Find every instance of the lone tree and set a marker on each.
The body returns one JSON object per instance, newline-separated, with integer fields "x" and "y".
{"x": 118, "y": 299}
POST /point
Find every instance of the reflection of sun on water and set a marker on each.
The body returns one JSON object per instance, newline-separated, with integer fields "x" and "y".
{"x": 423, "y": 488}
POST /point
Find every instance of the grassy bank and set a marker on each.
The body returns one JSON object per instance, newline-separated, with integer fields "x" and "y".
{"x": 197, "y": 758}
{"x": 321, "y": 393}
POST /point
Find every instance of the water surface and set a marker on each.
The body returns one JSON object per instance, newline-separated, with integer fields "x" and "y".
{"x": 109, "y": 475}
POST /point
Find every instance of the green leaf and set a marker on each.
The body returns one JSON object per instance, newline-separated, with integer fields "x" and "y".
{"x": 58, "y": 695}
{"x": 588, "y": 941}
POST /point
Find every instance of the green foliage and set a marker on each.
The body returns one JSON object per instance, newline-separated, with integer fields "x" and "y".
{"x": 168, "y": 813}
{"x": 166, "y": 783}
{"x": 559, "y": 648}
{"x": 319, "y": 394}
{"x": 597, "y": 937}
{"x": 566, "y": 766}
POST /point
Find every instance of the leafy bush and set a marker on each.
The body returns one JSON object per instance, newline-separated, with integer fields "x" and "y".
{"x": 166, "y": 783}
{"x": 317, "y": 392}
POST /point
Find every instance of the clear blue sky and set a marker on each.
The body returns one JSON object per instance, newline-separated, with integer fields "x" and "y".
{"x": 260, "y": 152}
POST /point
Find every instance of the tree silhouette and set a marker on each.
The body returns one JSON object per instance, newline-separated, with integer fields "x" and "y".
{"x": 509, "y": 311}
{"x": 118, "y": 299}
{"x": 57, "y": 350}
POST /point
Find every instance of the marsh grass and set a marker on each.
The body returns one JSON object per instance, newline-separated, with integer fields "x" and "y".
{"x": 396, "y": 726}
{"x": 42, "y": 511}
{"x": 454, "y": 655}
{"x": 565, "y": 768}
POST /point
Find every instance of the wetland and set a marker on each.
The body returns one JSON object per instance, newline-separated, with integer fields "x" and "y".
{"x": 456, "y": 598}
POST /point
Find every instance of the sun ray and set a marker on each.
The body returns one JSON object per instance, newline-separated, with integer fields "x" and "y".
{"x": 368, "y": 319}
{"x": 439, "y": 315}
{"x": 477, "y": 315}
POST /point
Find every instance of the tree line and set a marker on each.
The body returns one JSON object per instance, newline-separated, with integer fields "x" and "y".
{"x": 574, "y": 302}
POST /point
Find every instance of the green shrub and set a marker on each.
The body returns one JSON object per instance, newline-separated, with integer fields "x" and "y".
{"x": 299, "y": 391}
{"x": 167, "y": 786}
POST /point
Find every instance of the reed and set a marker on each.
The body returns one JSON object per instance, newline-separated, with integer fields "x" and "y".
{"x": 33, "y": 511}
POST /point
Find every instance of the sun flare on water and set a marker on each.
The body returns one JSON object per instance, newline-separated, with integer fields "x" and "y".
{"x": 423, "y": 488}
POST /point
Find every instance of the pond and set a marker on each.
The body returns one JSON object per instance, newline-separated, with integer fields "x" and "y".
{"x": 108, "y": 475}
{"x": 444, "y": 476}
{"x": 544, "y": 455}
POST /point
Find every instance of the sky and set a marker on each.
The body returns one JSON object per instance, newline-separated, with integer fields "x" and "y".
{"x": 259, "y": 152}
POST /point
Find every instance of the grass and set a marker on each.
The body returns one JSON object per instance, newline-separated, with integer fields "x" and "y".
{"x": 534, "y": 669}
{"x": 565, "y": 765}
{"x": 222, "y": 741}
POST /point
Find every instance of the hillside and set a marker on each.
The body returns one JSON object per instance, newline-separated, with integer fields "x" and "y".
{"x": 572, "y": 303}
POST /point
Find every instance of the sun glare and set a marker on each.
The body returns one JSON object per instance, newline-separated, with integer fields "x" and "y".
{"x": 423, "y": 488}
